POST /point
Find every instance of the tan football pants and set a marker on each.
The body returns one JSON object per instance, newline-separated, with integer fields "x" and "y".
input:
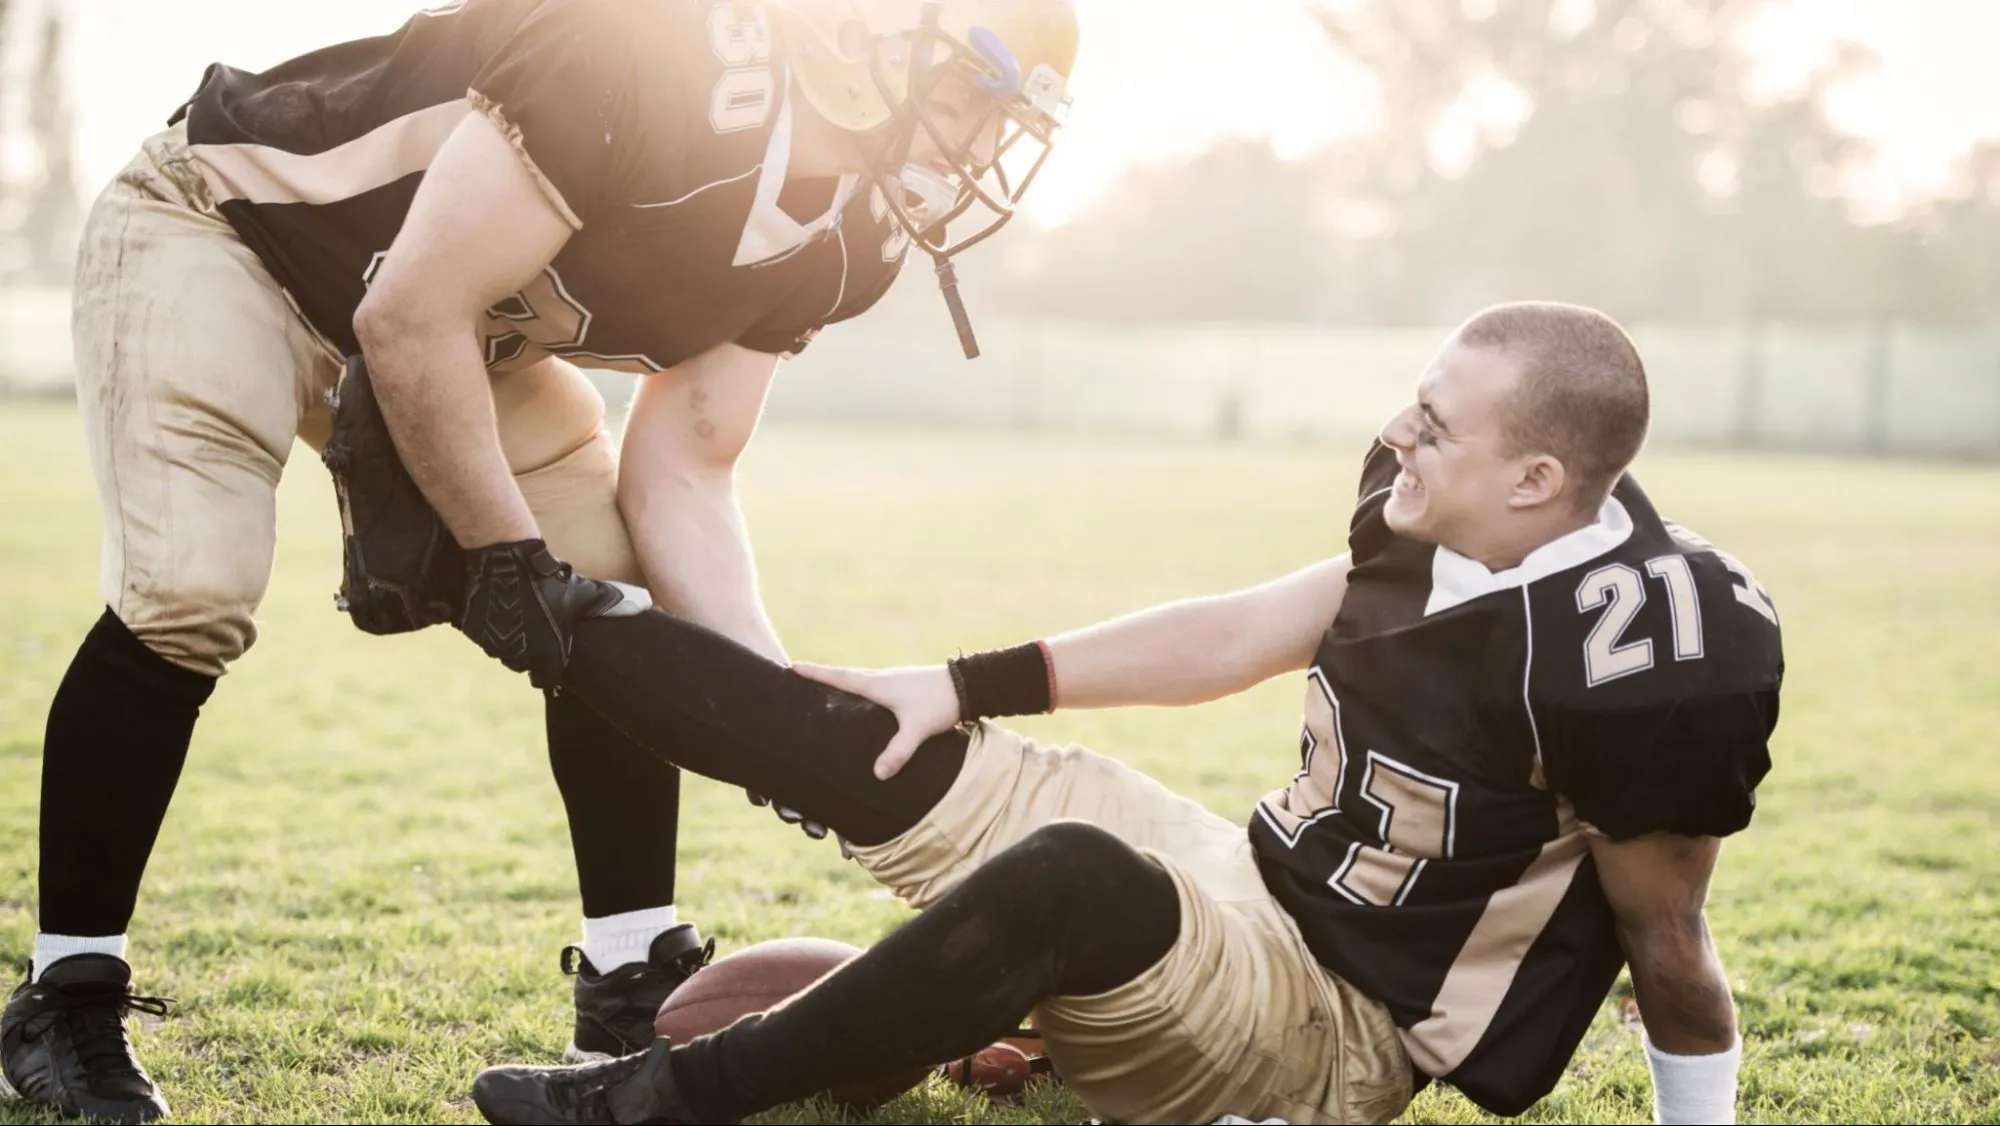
{"x": 194, "y": 374}
{"x": 1237, "y": 1019}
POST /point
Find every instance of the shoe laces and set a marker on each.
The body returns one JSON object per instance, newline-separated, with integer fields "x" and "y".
{"x": 691, "y": 961}
{"x": 584, "y": 1091}
{"x": 684, "y": 963}
{"x": 95, "y": 1020}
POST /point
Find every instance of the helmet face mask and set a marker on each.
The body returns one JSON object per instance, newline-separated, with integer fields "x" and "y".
{"x": 1013, "y": 116}
{"x": 955, "y": 104}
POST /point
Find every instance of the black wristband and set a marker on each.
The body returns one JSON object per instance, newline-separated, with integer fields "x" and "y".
{"x": 957, "y": 669}
{"x": 1002, "y": 682}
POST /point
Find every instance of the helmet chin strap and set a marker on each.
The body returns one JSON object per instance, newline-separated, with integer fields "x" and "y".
{"x": 947, "y": 276}
{"x": 921, "y": 199}
{"x": 935, "y": 197}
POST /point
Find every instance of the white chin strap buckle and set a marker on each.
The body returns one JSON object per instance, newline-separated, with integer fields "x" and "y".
{"x": 927, "y": 196}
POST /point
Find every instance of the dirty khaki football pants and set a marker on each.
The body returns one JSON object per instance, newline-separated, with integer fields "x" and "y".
{"x": 195, "y": 373}
{"x": 1238, "y": 1018}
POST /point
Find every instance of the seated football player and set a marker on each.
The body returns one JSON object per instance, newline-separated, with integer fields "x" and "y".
{"x": 480, "y": 202}
{"x": 1533, "y": 709}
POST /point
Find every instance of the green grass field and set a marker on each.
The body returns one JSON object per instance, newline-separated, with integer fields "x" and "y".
{"x": 362, "y": 888}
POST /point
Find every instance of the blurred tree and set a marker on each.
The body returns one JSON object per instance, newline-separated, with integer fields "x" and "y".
{"x": 9, "y": 196}
{"x": 51, "y": 218}
{"x": 1230, "y": 235}
{"x": 1609, "y": 151}
{"x": 1949, "y": 263}
{"x": 1616, "y": 152}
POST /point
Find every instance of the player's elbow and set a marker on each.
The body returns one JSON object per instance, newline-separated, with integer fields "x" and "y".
{"x": 1696, "y": 1016}
{"x": 1683, "y": 992}
{"x": 708, "y": 454}
{"x": 401, "y": 341}
{"x": 682, "y": 450}
{"x": 688, "y": 428}
{"x": 385, "y": 330}
{"x": 697, "y": 460}
{"x": 662, "y": 479}
{"x": 377, "y": 320}
{"x": 394, "y": 317}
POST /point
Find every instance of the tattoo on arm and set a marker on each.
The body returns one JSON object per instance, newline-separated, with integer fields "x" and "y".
{"x": 698, "y": 403}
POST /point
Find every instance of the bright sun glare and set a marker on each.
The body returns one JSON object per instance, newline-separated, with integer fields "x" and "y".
{"x": 1158, "y": 79}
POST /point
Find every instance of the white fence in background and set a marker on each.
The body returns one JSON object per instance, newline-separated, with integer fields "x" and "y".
{"x": 1900, "y": 389}
{"x": 1864, "y": 388}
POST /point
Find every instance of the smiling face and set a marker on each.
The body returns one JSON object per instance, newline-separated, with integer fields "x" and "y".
{"x": 1459, "y": 485}
{"x": 1522, "y": 426}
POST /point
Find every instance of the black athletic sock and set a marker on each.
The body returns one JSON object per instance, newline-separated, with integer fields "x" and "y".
{"x": 624, "y": 806}
{"x": 117, "y": 738}
{"x": 712, "y": 706}
{"x": 1069, "y": 911}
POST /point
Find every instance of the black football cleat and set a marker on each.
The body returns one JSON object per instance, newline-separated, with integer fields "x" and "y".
{"x": 615, "y": 1011}
{"x": 63, "y": 1044}
{"x": 635, "y": 1088}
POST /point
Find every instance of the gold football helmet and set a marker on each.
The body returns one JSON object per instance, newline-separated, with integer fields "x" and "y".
{"x": 984, "y": 81}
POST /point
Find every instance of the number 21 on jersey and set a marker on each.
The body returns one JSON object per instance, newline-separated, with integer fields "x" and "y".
{"x": 1617, "y": 591}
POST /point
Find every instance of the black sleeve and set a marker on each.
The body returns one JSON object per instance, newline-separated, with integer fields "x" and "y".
{"x": 1378, "y": 471}
{"x": 1368, "y": 533}
{"x": 1690, "y": 767}
{"x": 788, "y": 329}
{"x": 778, "y": 342}
{"x": 559, "y": 89}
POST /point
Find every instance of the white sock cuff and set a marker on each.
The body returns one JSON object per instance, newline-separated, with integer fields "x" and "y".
{"x": 1694, "y": 1090}
{"x": 53, "y": 948}
{"x": 618, "y": 940}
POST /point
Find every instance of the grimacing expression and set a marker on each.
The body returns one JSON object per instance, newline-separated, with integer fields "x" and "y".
{"x": 1456, "y": 480}
{"x": 968, "y": 118}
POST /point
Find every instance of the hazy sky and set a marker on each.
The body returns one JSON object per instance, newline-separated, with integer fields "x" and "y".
{"x": 1157, "y": 78}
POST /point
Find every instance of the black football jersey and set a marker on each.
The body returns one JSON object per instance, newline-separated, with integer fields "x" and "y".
{"x": 660, "y": 129}
{"x": 1465, "y": 729}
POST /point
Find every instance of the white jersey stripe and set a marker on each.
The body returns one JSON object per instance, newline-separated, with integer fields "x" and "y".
{"x": 751, "y": 171}
{"x": 1539, "y": 779}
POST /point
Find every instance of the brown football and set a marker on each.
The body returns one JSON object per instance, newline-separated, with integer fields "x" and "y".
{"x": 756, "y": 978}
{"x": 1002, "y": 1071}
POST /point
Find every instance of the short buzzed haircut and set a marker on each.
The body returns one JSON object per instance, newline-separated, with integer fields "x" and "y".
{"x": 1582, "y": 395}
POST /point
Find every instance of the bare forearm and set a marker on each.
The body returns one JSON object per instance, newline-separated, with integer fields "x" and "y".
{"x": 1181, "y": 653}
{"x": 1201, "y": 649}
{"x": 692, "y": 544}
{"x": 439, "y": 408}
{"x": 1683, "y": 995}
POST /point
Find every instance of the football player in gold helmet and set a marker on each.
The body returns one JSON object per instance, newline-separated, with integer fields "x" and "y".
{"x": 955, "y": 103}
{"x": 478, "y": 204}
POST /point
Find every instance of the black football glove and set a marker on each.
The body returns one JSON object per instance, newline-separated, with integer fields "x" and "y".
{"x": 790, "y": 816}
{"x": 521, "y": 603}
